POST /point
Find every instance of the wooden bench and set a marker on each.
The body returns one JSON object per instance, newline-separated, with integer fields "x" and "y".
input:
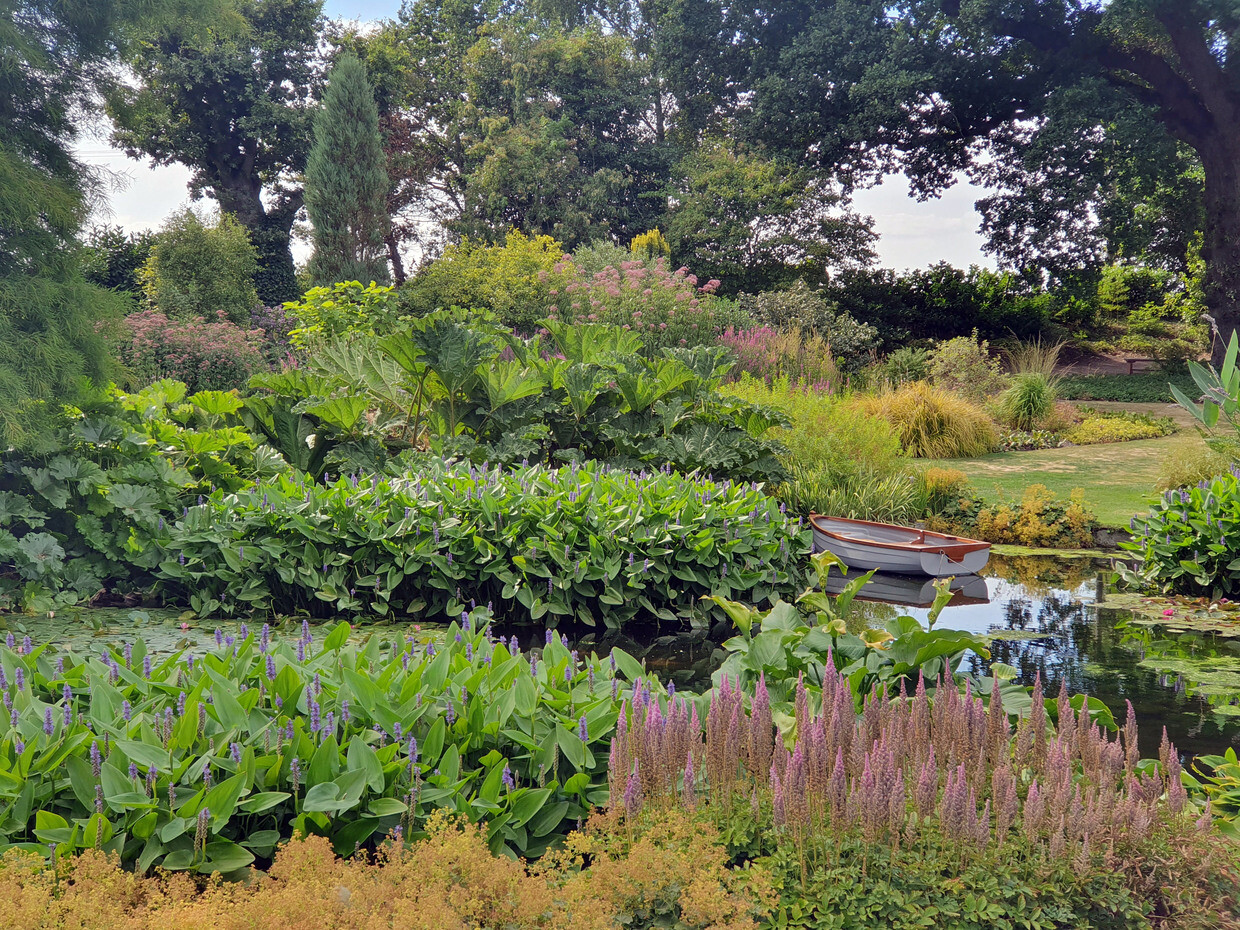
{"x": 1133, "y": 361}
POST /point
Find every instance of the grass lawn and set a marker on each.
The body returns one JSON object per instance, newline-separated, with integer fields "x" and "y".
{"x": 1117, "y": 478}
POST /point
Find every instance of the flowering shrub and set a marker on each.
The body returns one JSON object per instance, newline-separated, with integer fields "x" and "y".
{"x": 772, "y": 355}
{"x": 944, "y": 795}
{"x": 206, "y": 762}
{"x": 666, "y": 308}
{"x": 802, "y": 309}
{"x": 1039, "y": 519}
{"x": 207, "y": 356}
{"x": 964, "y": 365}
{"x": 1189, "y": 542}
{"x": 537, "y": 542}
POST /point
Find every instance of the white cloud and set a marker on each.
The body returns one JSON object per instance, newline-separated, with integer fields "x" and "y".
{"x": 915, "y": 234}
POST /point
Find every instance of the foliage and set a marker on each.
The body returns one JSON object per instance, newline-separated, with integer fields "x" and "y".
{"x": 863, "y": 495}
{"x": 463, "y": 386}
{"x": 677, "y": 869}
{"x": 84, "y": 513}
{"x": 964, "y": 365}
{"x": 1040, "y": 519}
{"x": 196, "y": 270}
{"x": 1033, "y": 356}
{"x": 347, "y": 182}
{"x": 1184, "y": 467}
{"x": 807, "y": 646}
{"x": 576, "y": 543}
{"x": 773, "y": 355}
{"x": 1145, "y": 387}
{"x": 1220, "y": 399}
{"x": 1106, "y": 428}
{"x": 233, "y": 105}
{"x": 939, "y": 486}
{"x": 207, "y": 762}
{"x": 218, "y": 356}
{"x": 650, "y": 245}
{"x": 800, "y": 307}
{"x": 1029, "y": 400}
{"x": 1019, "y": 440}
{"x": 826, "y": 430}
{"x": 758, "y": 222}
{"x": 1188, "y": 542}
{"x": 111, "y": 258}
{"x": 510, "y": 280}
{"x": 932, "y": 422}
{"x": 929, "y": 807}
{"x": 345, "y": 308}
{"x": 906, "y": 364}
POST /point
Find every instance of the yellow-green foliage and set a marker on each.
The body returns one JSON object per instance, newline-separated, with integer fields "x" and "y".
{"x": 650, "y": 244}
{"x": 1040, "y": 519}
{"x": 513, "y": 279}
{"x": 1187, "y": 466}
{"x": 1112, "y": 429}
{"x": 933, "y": 423}
{"x": 940, "y": 485}
{"x": 343, "y": 309}
{"x": 674, "y": 874}
{"x": 827, "y": 433}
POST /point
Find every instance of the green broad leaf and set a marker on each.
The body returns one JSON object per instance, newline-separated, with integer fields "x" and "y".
{"x": 262, "y": 840}
{"x": 325, "y": 763}
{"x": 178, "y": 860}
{"x": 387, "y": 807}
{"x": 361, "y": 757}
{"x": 348, "y": 838}
{"x": 337, "y": 637}
{"x": 526, "y": 802}
{"x": 146, "y": 755}
{"x": 325, "y": 797}
{"x": 627, "y": 665}
{"x": 221, "y": 800}
{"x": 225, "y": 856}
{"x": 173, "y": 828}
{"x": 46, "y": 820}
{"x": 265, "y": 801}
{"x": 432, "y": 746}
{"x": 548, "y": 819}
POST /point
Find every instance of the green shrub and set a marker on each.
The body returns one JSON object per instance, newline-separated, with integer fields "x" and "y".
{"x": 1099, "y": 429}
{"x": 1019, "y": 440}
{"x": 826, "y": 432}
{"x": 964, "y": 365}
{"x": 933, "y": 423}
{"x": 801, "y": 308}
{"x": 346, "y": 308}
{"x": 207, "y": 762}
{"x": 196, "y": 270}
{"x": 576, "y": 543}
{"x": 905, "y": 365}
{"x": 1029, "y": 401}
{"x": 1186, "y": 466}
{"x": 1143, "y": 387}
{"x": 112, "y": 258}
{"x": 1189, "y": 541}
{"x": 887, "y": 499}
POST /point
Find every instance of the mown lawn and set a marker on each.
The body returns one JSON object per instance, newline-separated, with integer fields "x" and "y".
{"x": 1117, "y": 478}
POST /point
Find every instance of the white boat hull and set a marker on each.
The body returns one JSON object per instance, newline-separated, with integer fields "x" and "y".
{"x": 912, "y": 591}
{"x": 900, "y": 550}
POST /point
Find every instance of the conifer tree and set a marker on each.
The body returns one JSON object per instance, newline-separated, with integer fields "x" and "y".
{"x": 347, "y": 181}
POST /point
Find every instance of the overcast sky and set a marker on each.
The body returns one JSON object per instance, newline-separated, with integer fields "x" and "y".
{"x": 912, "y": 234}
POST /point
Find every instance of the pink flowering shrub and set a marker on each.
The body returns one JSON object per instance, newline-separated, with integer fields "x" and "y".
{"x": 205, "y": 355}
{"x": 772, "y": 355}
{"x": 667, "y": 308}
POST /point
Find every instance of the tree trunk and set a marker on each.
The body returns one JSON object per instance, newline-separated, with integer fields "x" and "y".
{"x": 1221, "y": 249}
{"x": 271, "y": 233}
{"x": 398, "y": 265}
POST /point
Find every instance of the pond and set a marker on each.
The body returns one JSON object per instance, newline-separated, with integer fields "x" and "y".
{"x": 1050, "y": 616}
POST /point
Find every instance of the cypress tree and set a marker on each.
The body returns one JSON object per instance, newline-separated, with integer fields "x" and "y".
{"x": 347, "y": 181}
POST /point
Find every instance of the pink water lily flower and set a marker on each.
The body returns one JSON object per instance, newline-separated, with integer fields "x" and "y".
{"x": 1168, "y": 612}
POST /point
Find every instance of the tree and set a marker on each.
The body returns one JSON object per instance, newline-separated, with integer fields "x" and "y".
{"x": 112, "y": 258}
{"x": 347, "y": 182}
{"x": 941, "y": 82}
{"x": 234, "y": 106}
{"x": 201, "y": 271}
{"x": 758, "y": 223}
{"x": 56, "y": 56}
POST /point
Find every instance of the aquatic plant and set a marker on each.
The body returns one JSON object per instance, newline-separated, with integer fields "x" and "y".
{"x": 582, "y": 543}
{"x": 207, "y": 761}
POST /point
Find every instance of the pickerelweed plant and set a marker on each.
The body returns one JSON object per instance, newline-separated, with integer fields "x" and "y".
{"x": 581, "y": 542}
{"x": 806, "y": 643}
{"x": 936, "y": 776}
{"x": 1189, "y": 542}
{"x": 206, "y": 762}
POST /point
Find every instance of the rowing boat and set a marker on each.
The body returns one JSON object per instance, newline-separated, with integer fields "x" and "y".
{"x": 912, "y": 590}
{"x": 890, "y": 548}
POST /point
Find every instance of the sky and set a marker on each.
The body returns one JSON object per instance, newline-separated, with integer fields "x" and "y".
{"x": 912, "y": 234}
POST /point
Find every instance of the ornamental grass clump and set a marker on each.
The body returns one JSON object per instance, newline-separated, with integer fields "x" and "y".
{"x": 938, "y": 775}
{"x": 933, "y": 423}
{"x": 581, "y": 542}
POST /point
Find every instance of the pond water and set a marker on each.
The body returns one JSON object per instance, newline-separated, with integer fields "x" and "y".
{"x": 1050, "y": 616}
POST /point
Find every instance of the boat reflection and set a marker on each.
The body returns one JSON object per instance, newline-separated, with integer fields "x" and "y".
{"x": 912, "y": 591}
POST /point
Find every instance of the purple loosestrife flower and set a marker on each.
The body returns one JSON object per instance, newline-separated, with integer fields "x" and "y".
{"x": 96, "y": 759}
{"x": 18, "y": 746}
{"x": 146, "y": 667}
{"x": 126, "y": 711}
{"x": 509, "y": 782}
{"x": 513, "y": 646}
{"x": 219, "y": 638}
{"x": 181, "y": 704}
{"x": 633, "y": 794}
{"x": 235, "y": 751}
{"x": 583, "y": 731}
{"x": 49, "y": 725}
{"x": 10, "y": 640}
{"x": 133, "y": 771}
{"x": 344, "y": 712}
{"x": 315, "y": 721}
{"x": 60, "y": 670}
{"x": 301, "y": 651}
{"x": 271, "y": 668}
{"x": 68, "y": 716}
{"x": 19, "y": 678}
{"x": 128, "y": 654}
{"x": 465, "y": 621}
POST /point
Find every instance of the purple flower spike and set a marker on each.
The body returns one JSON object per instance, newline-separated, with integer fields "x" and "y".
{"x": 146, "y": 667}
{"x": 126, "y": 711}
{"x": 133, "y": 771}
{"x": 235, "y": 750}
{"x": 583, "y": 731}
{"x": 49, "y": 725}
{"x": 509, "y": 782}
